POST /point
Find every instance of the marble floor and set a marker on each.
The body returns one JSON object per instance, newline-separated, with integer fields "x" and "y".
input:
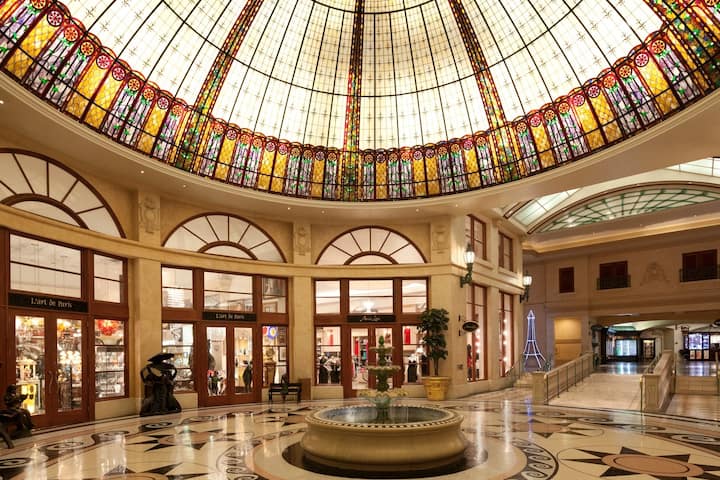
{"x": 507, "y": 439}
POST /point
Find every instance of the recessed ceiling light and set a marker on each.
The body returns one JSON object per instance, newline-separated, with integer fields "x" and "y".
{"x": 417, "y": 209}
{"x": 184, "y": 186}
{"x": 322, "y": 211}
{"x": 289, "y": 208}
{"x": 2, "y": 102}
{"x": 142, "y": 171}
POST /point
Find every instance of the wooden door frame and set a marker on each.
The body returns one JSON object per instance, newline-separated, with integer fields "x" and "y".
{"x": 52, "y": 417}
{"x": 230, "y": 398}
{"x": 6, "y": 355}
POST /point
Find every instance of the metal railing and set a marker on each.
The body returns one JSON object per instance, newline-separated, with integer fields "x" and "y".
{"x": 607, "y": 283}
{"x": 560, "y": 379}
{"x": 701, "y": 273}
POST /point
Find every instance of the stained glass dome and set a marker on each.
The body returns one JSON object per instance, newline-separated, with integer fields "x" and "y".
{"x": 363, "y": 100}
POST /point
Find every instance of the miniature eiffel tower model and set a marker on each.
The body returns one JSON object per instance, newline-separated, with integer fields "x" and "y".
{"x": 531, "y": 346}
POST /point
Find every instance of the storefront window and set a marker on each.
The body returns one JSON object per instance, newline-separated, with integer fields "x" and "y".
{"x": 414, "y": 295}
{"x": 227, "y": 291}
{"x": 475, "y": 341}
{"x": 506, "y": 332}
{"x": 43, "y": 267}
{"x": 177, "y": 287}
{"x": 414, "y": 359}
{"x": 177, "y": 338}
{"x": 108, "y": 282}
{"x": 275, "y": 361}
{"x": 328, "y": 354}
{"x": 371, "y": 296}
{"x": 109, "y": 358}
{"x": 274, "y": 295}
{"x": 327, "y": 296}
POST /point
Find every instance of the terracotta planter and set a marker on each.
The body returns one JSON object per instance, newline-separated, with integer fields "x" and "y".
{"x": 436, "y": 387}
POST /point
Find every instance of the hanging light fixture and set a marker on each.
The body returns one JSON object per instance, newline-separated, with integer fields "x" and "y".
{"x": 526, "y": 281}
{"x": 469, "y": 262}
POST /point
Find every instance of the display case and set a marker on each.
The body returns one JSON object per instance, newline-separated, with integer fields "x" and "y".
{"x": 110, "y": 354}
{"x": 275, "y": 358}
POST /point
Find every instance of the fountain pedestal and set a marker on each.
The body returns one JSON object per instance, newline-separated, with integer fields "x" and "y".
{"x": 338, "y": 437}
{"x": 383, "y": 437}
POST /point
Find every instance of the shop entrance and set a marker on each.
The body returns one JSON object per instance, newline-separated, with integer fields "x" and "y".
{"x": 648, "y": 345}
{"x": 51, "y": 362}
{"x": 230, "y": 369}
{"x": 361, "y": 356}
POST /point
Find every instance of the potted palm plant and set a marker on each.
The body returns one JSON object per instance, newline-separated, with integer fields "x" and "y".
{"x": 433, "y": 324}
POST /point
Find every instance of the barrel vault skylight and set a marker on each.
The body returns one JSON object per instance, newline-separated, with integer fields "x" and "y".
{"x": 362, "y": 100}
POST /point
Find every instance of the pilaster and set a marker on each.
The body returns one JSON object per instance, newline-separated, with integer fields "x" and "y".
{"x": 145, "y": 318}
{"x": 301, "y": 329}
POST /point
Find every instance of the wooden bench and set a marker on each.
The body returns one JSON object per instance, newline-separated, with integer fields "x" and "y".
{"x": 285, "y": 389}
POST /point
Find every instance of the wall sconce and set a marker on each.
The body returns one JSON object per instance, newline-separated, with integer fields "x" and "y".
{"x": 526, "y": 281}
{"x": 469, "y": 262}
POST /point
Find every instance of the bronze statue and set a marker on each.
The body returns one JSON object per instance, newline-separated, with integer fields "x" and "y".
{"x": 15, "y": 414}
{"x": 159, "y": 379}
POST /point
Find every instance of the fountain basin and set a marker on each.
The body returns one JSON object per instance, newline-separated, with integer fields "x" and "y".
{"x": 412, "y": 438}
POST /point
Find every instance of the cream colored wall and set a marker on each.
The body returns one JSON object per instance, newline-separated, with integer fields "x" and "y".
{"x": 440, "y": 239}
{"x": 568, "y": 339}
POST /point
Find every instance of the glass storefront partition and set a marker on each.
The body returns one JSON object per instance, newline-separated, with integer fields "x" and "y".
{"x": 228, "y": 331}
{"x": 66, "y": 323}
{"x": 275, "y": 354}
{"x": 351, "y": 315}
{"x": 110, "y": 354}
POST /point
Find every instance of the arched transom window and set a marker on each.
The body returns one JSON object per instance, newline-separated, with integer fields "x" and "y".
{"x": 221, "y": 234}
{"x": 370, "y": 246}
{"x": 39, "y": 185}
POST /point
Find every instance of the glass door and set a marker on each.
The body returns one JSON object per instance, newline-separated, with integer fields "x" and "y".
{"x": 69, "y": 364}
{"x": 648, "y": 349}
{"x": 30, "y": 371}
{"x": 359, "y": 338}
{"x": 243, "y": 360}
{"x": 361, "y": 342}
{"x": 230, "y": 376}
{"x": 50, "y": 355}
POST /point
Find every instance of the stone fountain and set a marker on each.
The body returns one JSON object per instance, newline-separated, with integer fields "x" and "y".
{"x": 383, "y": 437}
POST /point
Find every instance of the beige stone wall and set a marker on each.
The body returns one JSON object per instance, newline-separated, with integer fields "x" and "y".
{"x": 655, "y": 291}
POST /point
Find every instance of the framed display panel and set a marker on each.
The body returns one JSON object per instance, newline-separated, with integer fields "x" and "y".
{"x": 110, "y": 358}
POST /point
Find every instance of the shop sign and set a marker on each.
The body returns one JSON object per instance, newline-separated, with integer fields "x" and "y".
{"x": 232, "y": 316}
{"x": 48, "y": 303}
{"x": 470, "y": 326}
{"x": 370, "y": 318}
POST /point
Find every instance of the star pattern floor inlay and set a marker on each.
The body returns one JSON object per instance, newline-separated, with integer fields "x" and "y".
{"x": 515, "y": 441}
